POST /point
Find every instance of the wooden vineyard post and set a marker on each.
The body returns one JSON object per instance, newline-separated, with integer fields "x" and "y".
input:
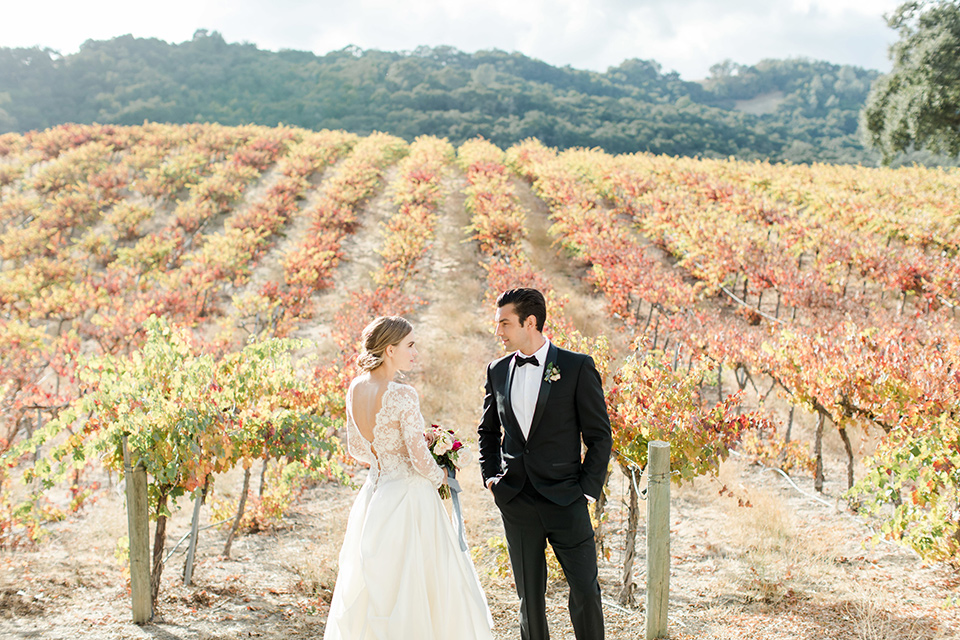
{"x": 658, "y": 538}
{"x": 138, "y": 530}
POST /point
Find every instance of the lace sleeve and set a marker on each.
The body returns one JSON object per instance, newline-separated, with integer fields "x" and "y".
{"x": 357, "y": 445}
{"x": 411, "y": 424}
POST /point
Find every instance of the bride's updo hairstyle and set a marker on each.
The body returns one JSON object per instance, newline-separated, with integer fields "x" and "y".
{"x": 377, "y": 336}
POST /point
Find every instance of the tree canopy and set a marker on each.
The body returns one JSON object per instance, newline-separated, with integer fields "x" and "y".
{"x": 918, "y": 103}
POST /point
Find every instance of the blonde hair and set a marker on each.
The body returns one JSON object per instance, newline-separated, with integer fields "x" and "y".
{"x": 377, "y": 336}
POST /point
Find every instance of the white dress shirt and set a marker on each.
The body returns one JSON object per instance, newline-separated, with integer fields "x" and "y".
{"x": 525, "y": 387}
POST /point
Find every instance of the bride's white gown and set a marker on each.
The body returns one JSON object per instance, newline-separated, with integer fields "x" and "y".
{"x": 402, "y": 573}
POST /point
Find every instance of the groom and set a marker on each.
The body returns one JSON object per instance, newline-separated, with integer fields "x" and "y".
{"x": 541, "y": 403}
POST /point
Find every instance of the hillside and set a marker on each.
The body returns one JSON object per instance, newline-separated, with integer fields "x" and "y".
{"x": 761, "y": 318}
{"x": 505, "y": 97}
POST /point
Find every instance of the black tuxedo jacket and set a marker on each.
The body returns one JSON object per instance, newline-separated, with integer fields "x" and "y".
{"x": 569, "y": 411}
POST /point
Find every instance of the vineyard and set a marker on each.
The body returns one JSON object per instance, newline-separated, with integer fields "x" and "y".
{"x": 190, "y": 297}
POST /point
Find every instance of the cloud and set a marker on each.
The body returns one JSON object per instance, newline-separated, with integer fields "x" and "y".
{"x": 691, "y": 35}
{"x": 683, "y": 35}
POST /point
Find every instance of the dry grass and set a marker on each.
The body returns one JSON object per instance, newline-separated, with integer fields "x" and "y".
{"x": 316, "y": 567}
{"x": 770, "y": 548}
{"x": 455, "y": 340}
{"x": 873, "y": 617}
{"x": 781, "y": 555}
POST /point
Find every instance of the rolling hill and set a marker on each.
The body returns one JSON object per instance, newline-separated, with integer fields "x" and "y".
{"x": 505, "y": 97}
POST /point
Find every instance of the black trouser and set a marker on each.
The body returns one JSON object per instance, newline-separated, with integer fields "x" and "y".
{"x": 530, "y": 520}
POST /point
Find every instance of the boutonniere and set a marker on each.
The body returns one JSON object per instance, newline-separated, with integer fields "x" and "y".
{"x": 552, "y": 373}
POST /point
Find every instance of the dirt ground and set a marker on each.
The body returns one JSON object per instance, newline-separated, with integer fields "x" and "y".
{"x": 792, "y": 566}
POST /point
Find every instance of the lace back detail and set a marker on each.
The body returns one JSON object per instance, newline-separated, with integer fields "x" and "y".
{"x": 397, "y": 438}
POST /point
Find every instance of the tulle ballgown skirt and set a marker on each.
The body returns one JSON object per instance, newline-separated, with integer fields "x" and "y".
{"x": 402, "y": 574}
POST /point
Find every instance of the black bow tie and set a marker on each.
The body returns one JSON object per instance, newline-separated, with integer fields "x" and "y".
{"x": 531, "y": 360}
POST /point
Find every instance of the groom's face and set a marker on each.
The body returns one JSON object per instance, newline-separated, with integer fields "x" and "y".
{"x": 514, "y": 335}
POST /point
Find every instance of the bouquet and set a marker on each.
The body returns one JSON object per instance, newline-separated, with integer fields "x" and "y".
{"x": 447, "y": 450}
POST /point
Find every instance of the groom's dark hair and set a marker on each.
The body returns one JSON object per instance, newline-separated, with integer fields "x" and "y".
{"x": 526, "y": 302}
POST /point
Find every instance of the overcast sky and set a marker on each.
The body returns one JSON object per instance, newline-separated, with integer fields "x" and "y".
{"x": 687, "y": 36}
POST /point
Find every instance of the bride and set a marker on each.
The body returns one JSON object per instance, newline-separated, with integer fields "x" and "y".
{"x": 402, "y": 574}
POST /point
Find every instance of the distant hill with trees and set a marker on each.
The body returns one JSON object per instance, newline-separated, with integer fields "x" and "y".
{"x": 794, "y": 110}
